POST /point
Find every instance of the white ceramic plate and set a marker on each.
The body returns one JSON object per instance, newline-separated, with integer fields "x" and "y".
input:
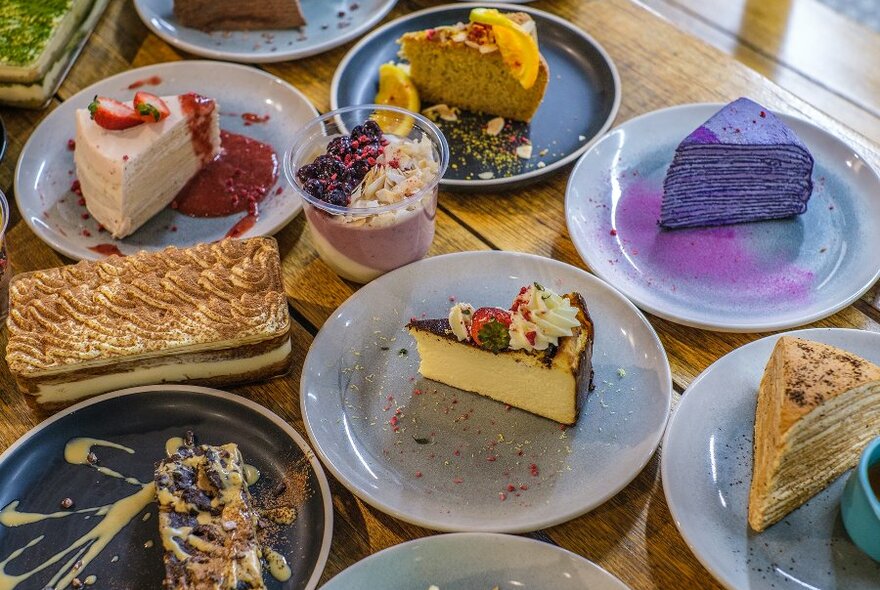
{"x": 45, "y": 170}
{"x": 459, "y": 461}
{"x": 474, "y": 561}
{"x": 707, "y": 470}
{"x": 329, "y": 24}
{"x": 742, "y": 278}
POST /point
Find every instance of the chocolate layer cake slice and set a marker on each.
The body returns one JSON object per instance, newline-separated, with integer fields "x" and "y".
{"x": 743, "y": 164}
{"x": 207, "y": 521}
{"x": 235, "y": 15}
{"x": 214, "y": 314}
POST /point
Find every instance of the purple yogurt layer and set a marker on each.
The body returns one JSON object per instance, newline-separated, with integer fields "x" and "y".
{"x": 742, "y": 165}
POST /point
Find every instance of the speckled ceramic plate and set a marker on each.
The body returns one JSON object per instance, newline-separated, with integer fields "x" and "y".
{"x": 474, "y": 561}
{"x": 742, "y": 278}
{"x": 580, "y": 103}
{"x": 45, "y": 171}
{"x": 329, "y": 24}
{"x": 707, "y": 471}
{"x": 455, "y": 461}
{"x": 34, "y": 472}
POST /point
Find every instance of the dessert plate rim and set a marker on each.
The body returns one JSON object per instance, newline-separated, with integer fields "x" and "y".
{"x": 30, "y": 203}
{"x": 533, "y": 175}
{"x": 315, "y": 464}
{"x": 403, "y": 509}
{"x": 597, "y": 263}
{"x": 147, "y": 14}
{"x": 487, "y": 547}
{"x": 712, "y": 559}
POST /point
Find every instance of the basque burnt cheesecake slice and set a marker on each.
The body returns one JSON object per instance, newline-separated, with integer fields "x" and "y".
{"x": 818, "y": 406}
{"x": 535, "y": 356}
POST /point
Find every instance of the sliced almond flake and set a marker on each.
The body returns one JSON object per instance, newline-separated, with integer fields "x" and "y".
{"x": 486, "y": 175}
{"x": 443, "y": 111}
{"x": 543, "y": 152}
{"x": 488, "y": 48}
{"x": 473, "y": 44}
{"x": 581, "y": 137}
{"x": 541, "y": 164}
{"x": 524, "y": 151}
{"x": 460, "y": 36}
{"x": 495, "y": 126}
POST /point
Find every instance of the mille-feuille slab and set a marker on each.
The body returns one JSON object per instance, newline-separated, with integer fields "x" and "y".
{"x": 213, "y": 314}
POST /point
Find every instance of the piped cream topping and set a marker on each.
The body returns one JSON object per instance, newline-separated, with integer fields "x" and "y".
{"x": 460, "y": 318}
{"x": 539, "y": 318}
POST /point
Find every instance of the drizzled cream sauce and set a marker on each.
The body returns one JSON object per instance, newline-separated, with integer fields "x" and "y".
{"x": 113, "y": 518}
{"x": 278, "y": 565}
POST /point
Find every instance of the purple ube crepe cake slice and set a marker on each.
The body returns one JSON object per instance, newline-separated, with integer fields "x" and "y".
{"x": 741, "y": 165}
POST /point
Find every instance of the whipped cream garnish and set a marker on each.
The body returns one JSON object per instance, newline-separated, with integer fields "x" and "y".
{"x": 539, "y": 317}
{"x": 460, "y": 318}
{"x": 403, "y": 168}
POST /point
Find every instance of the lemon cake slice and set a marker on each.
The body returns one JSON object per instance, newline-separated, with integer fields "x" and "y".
{"x": 491, "y": 64}
{"x": 818, "y": 406}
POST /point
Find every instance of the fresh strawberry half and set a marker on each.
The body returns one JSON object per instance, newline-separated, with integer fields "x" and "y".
{"x": 150, "y": 107}
{"x": 112, "y": 114}
{"x": 489, "y": 328}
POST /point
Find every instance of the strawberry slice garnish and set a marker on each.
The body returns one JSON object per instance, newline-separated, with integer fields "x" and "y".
{"x": 150, "y": 107}
{"x": 112, "y": 114}
{"x": 489, "y": 328}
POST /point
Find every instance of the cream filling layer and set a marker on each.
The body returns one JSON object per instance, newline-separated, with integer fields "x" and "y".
{"x": 63, "y": 392}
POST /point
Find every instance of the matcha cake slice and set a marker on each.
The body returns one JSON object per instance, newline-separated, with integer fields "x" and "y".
{"x": 34, "y": 35}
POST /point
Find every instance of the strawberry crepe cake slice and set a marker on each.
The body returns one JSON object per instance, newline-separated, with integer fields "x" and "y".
{"x": 133, "y": 158}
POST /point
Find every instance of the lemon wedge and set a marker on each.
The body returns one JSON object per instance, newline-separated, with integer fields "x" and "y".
{"x": 519, "y": 50}
{"x": 396, "y": 89}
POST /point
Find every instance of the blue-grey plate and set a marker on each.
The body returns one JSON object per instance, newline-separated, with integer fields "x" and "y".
{"x": 748, "y": 277}
{"x": 329, "y": 24}
{"x": 46, "y": 170}
{"x": 34, "y": 472}
{"x": 707, "y": 470}
{"x": 474, "y": 561}
{"x": 451, "y": 460}
{"x": 580, "y": 103}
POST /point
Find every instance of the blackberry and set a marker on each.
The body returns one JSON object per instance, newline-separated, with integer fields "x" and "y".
{"x": 340, "y": 146}
{"x": 371, "y": 129}
{"x": 338, "y": 197}
{"x": 314, "y": 187}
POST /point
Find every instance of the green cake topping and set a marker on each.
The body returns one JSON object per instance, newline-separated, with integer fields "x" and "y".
{"x": 26, "y": 27}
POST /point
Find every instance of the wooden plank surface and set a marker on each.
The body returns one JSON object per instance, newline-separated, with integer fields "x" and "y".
{"x": 632, "y": 535}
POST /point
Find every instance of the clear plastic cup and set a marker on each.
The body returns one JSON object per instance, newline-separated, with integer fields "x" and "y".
{"x": 362, "y": 243}
{"x": 5, "y": 270}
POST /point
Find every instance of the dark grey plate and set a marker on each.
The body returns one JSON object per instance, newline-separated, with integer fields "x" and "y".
{"x": 34, "y": 471}
{"x": 580, "y": 104}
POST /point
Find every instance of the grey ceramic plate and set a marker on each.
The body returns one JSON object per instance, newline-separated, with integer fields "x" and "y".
{"x": 707, "y": 471}
{"x": 45, "y": 170}
{"x": 475, "y": 561}
{"x": 459, "y": 461}
{"x": 580, "y": 103}
{"x": 34, "y": 472}
{"x": 749, "y": 277}
{"x": 329, "y": 23}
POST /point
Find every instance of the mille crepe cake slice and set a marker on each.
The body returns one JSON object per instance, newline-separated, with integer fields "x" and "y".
{"x": 464, "y": 65}
{"x": 743, "y": 164}
{"x": 207, "y": 521}
{"x": 536, "y": 357}
{"x": 235, "y": 15}
{"x": 818, "y": 406}
{"x": 213, "y": 314}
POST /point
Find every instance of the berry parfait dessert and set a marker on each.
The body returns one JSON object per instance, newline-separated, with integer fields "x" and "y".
{"x": 368, "y": 176}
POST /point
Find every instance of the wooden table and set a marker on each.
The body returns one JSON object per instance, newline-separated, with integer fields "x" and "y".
{"x": 632, "y": 535}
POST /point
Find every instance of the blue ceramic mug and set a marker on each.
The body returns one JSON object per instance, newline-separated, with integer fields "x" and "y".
{"x": 860, "y": 506}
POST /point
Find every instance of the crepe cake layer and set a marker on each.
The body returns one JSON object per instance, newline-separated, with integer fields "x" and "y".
{"x": 207, "y": 521}
{"x": 211, "y": 314}
{"x": 743, "y": 164}
{"x": 235, "y": 15}
{"x": 818, "y": 407}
